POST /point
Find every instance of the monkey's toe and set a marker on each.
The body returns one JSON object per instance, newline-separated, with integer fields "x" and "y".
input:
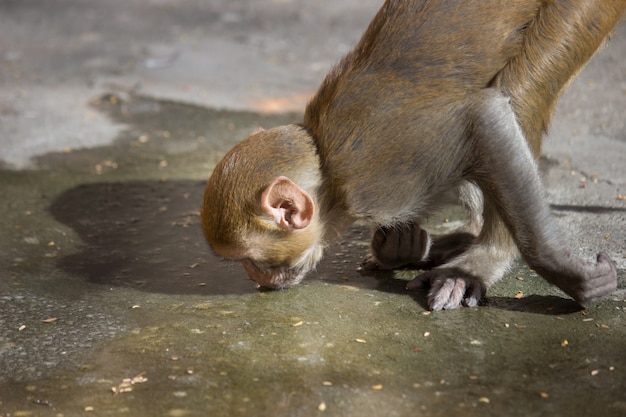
{"x": 449, "y": 288}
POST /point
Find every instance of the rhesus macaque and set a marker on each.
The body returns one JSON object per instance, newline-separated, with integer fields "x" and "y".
{"x": 438, "y": 95}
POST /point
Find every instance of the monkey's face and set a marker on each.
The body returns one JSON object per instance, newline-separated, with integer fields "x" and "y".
{"x": 286, "y": 275}
{"x": 272, "y": 257}
{"x": 280, "y": 261}
{"x": 272, "y": 277}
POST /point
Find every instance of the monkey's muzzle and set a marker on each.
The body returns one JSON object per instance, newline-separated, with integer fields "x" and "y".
{"x": 273, "y": 277}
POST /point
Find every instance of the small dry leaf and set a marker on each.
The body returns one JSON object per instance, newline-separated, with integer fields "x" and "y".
{"x": 519, "y": 295}
{"x": 127, "y": 384}
{"x": 50, "y": 320}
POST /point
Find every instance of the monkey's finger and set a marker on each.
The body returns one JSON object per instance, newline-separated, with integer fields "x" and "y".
{"x": 598, "y": 280}
{"x": 420, "y": 282}
{"x": 602, "y": 283}
{"x": 370, "y": 263}
{"x": 420, "y": 244}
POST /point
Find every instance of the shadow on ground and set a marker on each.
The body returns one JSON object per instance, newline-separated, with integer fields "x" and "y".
{"x": 146, "y": 235}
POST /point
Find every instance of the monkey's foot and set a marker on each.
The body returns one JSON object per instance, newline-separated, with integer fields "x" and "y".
{"x": 449, "y": 288}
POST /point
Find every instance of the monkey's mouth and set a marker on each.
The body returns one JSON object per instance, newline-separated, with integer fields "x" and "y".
{"x": 277, "y": 278}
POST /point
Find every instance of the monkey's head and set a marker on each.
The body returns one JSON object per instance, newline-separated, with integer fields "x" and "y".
{"x": 260, "y": 206}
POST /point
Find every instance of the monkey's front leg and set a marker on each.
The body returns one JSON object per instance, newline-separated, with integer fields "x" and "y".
{"x": 508, "y": 175}
{"x": 411, "y": 246}
{"x": 396, "y": 247}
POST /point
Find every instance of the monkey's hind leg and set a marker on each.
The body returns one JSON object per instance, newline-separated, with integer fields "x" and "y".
{"x": 464, "y": 279}
{"x": 507, "y": 173}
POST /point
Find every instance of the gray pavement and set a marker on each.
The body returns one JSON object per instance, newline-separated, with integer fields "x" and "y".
{"x": 112, "y": 115}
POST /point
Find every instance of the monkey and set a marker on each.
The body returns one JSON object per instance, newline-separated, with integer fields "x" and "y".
{"x": 438, "y": 97}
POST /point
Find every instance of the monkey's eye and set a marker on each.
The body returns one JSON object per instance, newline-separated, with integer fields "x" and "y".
{"x": 262, "y": 266}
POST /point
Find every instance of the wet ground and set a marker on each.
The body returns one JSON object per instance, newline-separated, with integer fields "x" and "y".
{"x": 111, "y": 303}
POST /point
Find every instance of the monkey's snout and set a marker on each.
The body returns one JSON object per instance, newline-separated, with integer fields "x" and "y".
{"x": 275, "y": 278}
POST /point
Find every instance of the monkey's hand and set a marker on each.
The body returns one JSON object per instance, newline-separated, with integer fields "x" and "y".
{"x": 588, "y": 281}
{"x": 449, "y": 288}
{"x": 395, "y": 247}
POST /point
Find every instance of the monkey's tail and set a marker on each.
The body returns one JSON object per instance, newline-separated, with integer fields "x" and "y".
{"x": 556, "y": 44}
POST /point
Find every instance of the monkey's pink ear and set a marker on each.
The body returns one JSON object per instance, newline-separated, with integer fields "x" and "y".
{"x": 290, "y": 206}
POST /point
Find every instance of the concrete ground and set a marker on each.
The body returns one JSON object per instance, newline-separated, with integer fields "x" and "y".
{"x": 112, "y": 115}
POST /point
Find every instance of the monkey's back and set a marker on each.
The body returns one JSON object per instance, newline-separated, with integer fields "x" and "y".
{"x": 416, "y": 70}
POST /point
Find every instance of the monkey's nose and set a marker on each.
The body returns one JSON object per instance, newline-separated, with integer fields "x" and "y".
{"x": 277, "y": 278}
